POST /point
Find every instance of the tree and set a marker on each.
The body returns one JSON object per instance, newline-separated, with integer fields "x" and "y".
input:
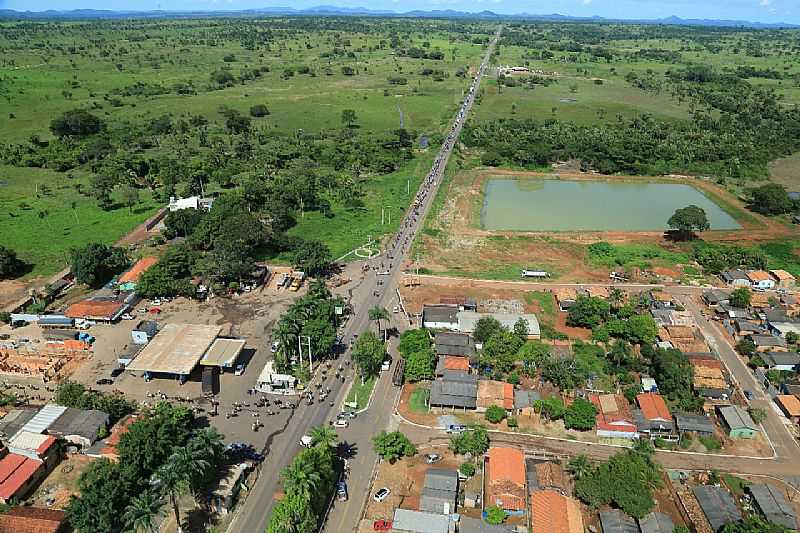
{"x": 746, "y": 347}
{"x": 792, "y": 337}
{"x": 259, "y": 110}
{"x": 588, "y": 312}
{"x": 312, "y": 257}
{"x": 495, "y": 414}
{"x": 474, "y": 442}
{"x": 142, "y": 512}
{"x": 9, "y": 264}
{"x": 467, "y": 469}
{"x": 368, "y": 354}
{"x": 175, "y": 477}
{"x": 76, "y": 123}
{"x": 674, "y": 374}
{"x": 521, "y": 329}
{"x": 740, "y": 298}
{"x": 95, "y": 263}
{"x": 130, "y": 196}
{"x": 420, "y": 365}
{"x": 485, "y": 328}
{"x": 687, "y": 220}
{"x": 105, "y": 491}
{"x": 301, "y": 479}
{"x": 293, "y": 514}
{"x": 495, "y": 515}
{"x": 533, "y": 355}
{"x": 770, "y": 199}
{"x": 641, "y": 329}
{"x": 757, "y": 414}
{"x": 324, "y": 436}
{"x": 580, "y": 467}
{"x": 414, "y": 340}
{"x": 753, "y": 524}
{"x": 182, "y": 223}
{"x": 580, "y": 415}
{"x": 235, "y": 122}
{"x": 377, "y": 314}
{"x": 392, "y": 446}
{"x": 500, "y": 351}
{"x": 349, "y": 117}
{"x": 551, "y": 408}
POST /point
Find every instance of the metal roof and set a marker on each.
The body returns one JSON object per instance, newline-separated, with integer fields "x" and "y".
{"x": 77, "y": 422}
{"x": 615, "y": 521}
{"x": 454, "y": 344}
{"x": 781, "y": 358}
{"x": 525, "y": 398}
{"x": 736, "y": 417}
{"x": 55, "y": 320}
{"x": 223, "y": 352}
{"x": 693, "y": 422}
{"x": 468, "y": 320}
{"x": 656, "y": 523}
{"x": 476, "y": 525}
{"x": 46, "y": 416}
{"x": 717, "y": 504}
{"x": 773, "y": 505}
{"x": 25, "y": 440}
{"x": 441, "y": 479}
{"x": 440, "y": 313}
{"x": 408, "y": 521}
{"x": 176, "y": 349}
{"x": 454, "y": 394}
{"x": 14, "y": 421}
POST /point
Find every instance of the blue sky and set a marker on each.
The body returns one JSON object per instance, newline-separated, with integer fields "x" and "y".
{"x": 754, "y": 10}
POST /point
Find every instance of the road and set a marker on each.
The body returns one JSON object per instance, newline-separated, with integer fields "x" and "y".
{"x": 378, "y": 289}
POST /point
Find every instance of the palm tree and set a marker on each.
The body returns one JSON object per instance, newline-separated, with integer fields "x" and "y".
{"x": 141, "y": 513}
{"x": 377, "y": 314}
{"x": 616, "y": 297}
{"x": 580, "y": 467}
{"x": 324, "y": 436}
{"x": 300, "y": 478}
{"x": 179, "y": 474}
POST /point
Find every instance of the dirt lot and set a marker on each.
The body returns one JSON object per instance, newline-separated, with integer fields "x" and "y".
{"x": 54, "y": 491}
{"x": 455, "y": 242}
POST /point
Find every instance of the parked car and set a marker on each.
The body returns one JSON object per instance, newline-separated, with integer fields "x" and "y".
{"x": 456, "y": 428}
{"x": 239, "y": 370}
{"x": 748, "y": 394}
{"x": 382, "y": 525}
{"x": 127, "y": 316}
{"x": 432, "y": 458}
{"x": 116, "y": 371}
{"x": 386, "y": 365}
{"x": 104, "y": 381}
{"x": 347, "y": 414}
{"x": 382, "y": 494}
{"x": 340, "y": 423}
{"x": 341, "y": 491}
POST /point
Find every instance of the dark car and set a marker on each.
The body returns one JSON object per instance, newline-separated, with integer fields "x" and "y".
{"x": 116, "y": 371}
{"x": 341, "y": 491}
{"x": 104, "y": 381}
{"x": 748, "y": 394}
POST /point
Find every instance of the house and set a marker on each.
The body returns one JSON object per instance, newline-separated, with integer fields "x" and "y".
{"x": 716, "y": 297}
{"x": 98, "y": 308}
{"x": 760, "y": 300}
{"x": 760, "y": 279}
{"x": 524, "y": 401}
{"x": 791, "y": 386}
{"x": 440, "y": 491}
{"x": 476, "y": 525}
{"x": 107, "y": 448}
{"x": 407, "y": 521}
{"x": 468, "y": 320}
{"x": 44, "y": 418}
{"x": 709, "y": 379}
{"x": 451, "y": 363}
{"x": 455, "y": 389}
{"x": 615, "y": 521}
{"x": 79, "y": 427}
{"x": 18, "y": 474}
{"x": 746, "y": 327}
{"x": 735, "y": 278}
{"x": 654, "y": 418}
{"x": 128, "y": 280}
{"x": 699, "y": 425}
{"x": 656, "y": 522}
{"x": 505, "y": 478}
{"x": 565, "y": 297}
{"x": 738, "y": 421}
{"x": 791, "y": 304}
{"x": 769, "y": 343}
{"x": 491, "y": 392}
{"x": 783, "y": 279}
{"x": 717, "y": 505}
{"x": 775, "y": 315}
{"x": 36, "y": 446}
{"x": 458, "y": 344}
{"x": 546, "y": 476}
{"x": 661, "y": 299}
{"x": 144, "y": 331}
{"x": 786, "y": 361}
{"x": 192, "y": 202}
{"x": 614, "y": 418}
{"x": 270, "y": 381}
{"x": 782, "y": 328}
{"x": 552, "y": 512}
{"x": 790, "y": 405}
{"x": 23, "y": 519}
{"x": 771, "y": 502}
{"x": 222, "y": 497}
{"x": 435, "y": 316}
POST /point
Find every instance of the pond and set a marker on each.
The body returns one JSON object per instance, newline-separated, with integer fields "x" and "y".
{"x": 562, "y": 205}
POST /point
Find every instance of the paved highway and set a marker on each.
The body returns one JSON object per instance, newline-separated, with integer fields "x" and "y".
{"x": 377, "y": 290}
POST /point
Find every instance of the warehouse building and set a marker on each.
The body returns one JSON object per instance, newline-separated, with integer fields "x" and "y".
{"x": 175, "y": 351}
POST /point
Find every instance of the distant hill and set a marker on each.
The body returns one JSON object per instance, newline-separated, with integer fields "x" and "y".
{"x": 364, "y": 12}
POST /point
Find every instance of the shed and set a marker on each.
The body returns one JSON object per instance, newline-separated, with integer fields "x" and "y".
{"x": 773, "y": 505}
{"x": 476, "y": 525}
{"x": 692, "y": 423}
{"x": 717, "y": 505}
{"x": 79, "y": 427}
{"x": 408, "y": 521}
{"x": 769, "y": 343}
{"x": 45, "y": 418}
{"x": 55, "y": 321}
{"x": 615, "y": 521}
{"x": 524, "y": 400}
{"x": 144, "y": 331}
{"x": 223, "y": 353}
{"x": 735, "y": 278}
{"x": 14, "y": 421}
{"x": 740, "y": 425}
{"x": 656, "y": 522}
{"x": 440, "y": 491}
{"x": 449, "y": 343}
{"x": 18, "y": 474}
{"x": 440, "y": 316}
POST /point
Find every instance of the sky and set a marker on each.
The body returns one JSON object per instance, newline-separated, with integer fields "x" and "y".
{"x": 787, "y": 11}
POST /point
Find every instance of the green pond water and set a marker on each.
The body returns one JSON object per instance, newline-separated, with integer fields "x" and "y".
{"x": 561, "y": 205}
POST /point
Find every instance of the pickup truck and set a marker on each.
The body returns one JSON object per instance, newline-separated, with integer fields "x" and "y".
{"x": 306, "y": 441}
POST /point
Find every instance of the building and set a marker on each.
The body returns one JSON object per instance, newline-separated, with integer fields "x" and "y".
{"x": 476, "y": 525}
{"x": 437, "y": 316}
{"x": 524, "y": 400}
{"x": 735, "y": 278}
{"x": 144, "y": 331}
{"x": 14, "y": 421}
{"x": 649, "y": 384}
{"x": 99, "y": 309}
{"x": 440, "y": 491}
{"x": 18, "y": 474}
{"x": 222, "y": 497}
{"x": 761, "y": 280}
{"x": 655, "y": 419}
{"x": 192, "y": 202}
{"x": 457, "y": 344}
{"x": 772, "y": 503}
{"x": 717, "y": 505}
{"x": 107, "y": 448}
{"x": 782, "y": 328}
{"x": 55, "y": 321}
{"x": 223, "y": 353}
{"x": 79, "y": 427}
{"x": 745, "y": 327}
{"x": 491, "y": 392}
{"x": 565, "y": 297}
{"x": 769, "y": 343}
{"x": 552, "y": 512}
{"x": 787, "y": 361}
{"x": 128, "y": 280}
{"x": 614, "y": 417}
{"x": 455, "y": 390}
{"x": 33, "y": 520}
{"x": 36, "y": 446}
{"x": 451, "y": 363}
{"x": 407, "y": 521}
{"x": 505, "y": 478}
{"x": 716, "y": 297}
{"x": 468, "y": 320}
{"x": 790, "y": 405}
{"x": 546, "y": 475}
{"x": 272, "y": 382}
{"x": 699, "y": 425}
{"x": 656, "y": 522}
{"x": 44, "y": 418}
{"x": 615, "y": 521}
{"x": 738, "y": 421}
{"x": 175, "y": 351}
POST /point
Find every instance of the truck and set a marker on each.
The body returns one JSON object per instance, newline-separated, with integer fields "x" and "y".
{"x": 297, "y": 281}
{"x": 209, "y": 381}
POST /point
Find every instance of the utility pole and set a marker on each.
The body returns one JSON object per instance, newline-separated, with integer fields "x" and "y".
{"x": 310, "y": 362}
{"x": 300, "y": 352}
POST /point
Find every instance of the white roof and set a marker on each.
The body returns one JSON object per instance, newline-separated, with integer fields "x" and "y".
{"x": 26, "y": 440}
{"x": 786, "y": 327}
{"x": 268, "y": 374}
{"x": 43, "y": 419}
{"x": 176, "y": 349}
{"x": 191, "y": 202}
{"x": 467, "y": 321}
{"x": 223, "y": 352}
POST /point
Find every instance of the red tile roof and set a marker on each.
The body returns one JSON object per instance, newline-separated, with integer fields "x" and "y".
{"x": 45, "y": 445}
{"x": 491, "y": 392}
{"x": 141, "y": 266}
{"x": 31, "y": 520}
{"x": 456, "y": 363}
{"x": 653, "y": 406}
{"x": 506, "y": 477}
{"x": 552, "y": 512}
{"x": 790, "y": 404}
{"x": 103, "y": 309}
{"x": 15, "y": 471}
{"x": 613, "y": 413}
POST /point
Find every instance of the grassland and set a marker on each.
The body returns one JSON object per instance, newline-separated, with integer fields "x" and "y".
{"x": 360, "y": 393}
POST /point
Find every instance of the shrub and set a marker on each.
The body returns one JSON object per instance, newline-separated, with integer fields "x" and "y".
{"x": 495, "y": 515}
{"x": 259, "y": 110}
{"x": 512, "y": 422}
{"x": 495, "y": 414}
{"x": 467, "y": 469}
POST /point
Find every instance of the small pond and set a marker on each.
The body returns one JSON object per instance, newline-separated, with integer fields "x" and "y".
{"x": 562, "y": 205}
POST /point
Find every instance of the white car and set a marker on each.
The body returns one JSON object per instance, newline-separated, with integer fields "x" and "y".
{"x": 341, "y": 423}
{"x": 127, "y": 316}
{"x": 239, "y": 370}
{"x": 274, "y": 347}
{"x": 382, "y": 494}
